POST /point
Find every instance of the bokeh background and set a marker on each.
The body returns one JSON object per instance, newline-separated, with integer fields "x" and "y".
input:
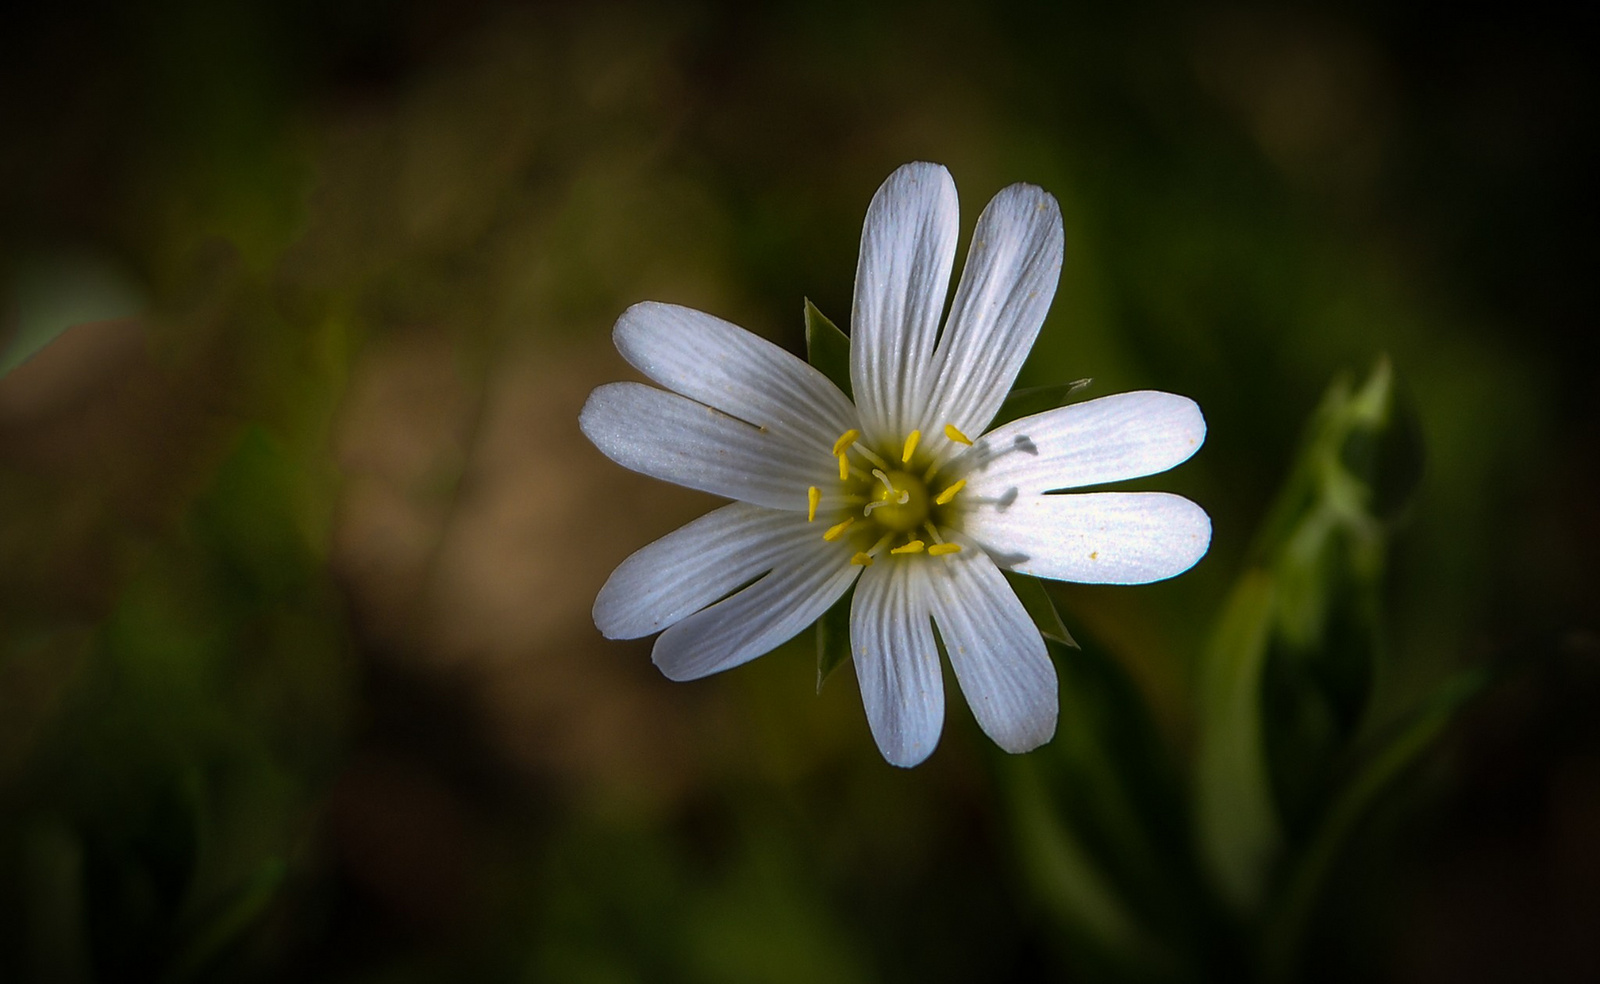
{"x": 298, "y": 536}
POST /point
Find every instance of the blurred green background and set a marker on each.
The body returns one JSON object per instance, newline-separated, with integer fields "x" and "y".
{"x": 298, "y": 536}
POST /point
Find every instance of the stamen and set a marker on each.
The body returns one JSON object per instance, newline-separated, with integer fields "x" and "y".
{"x": 866, "y": 453}
{"x": 911, "y": 446}
{"x": 940, "y": 549}
{"x": 813, "y": 497}
{"x": 901, "y": 496}
{"x": 933, "y": 534}
{"x": 862, "y": 560}
{"x": 844, "y": 468}
{"x": 845, "y": 440}
{"x": 955, "y": 435}
{"x": 944, "y": 497}
{"x": 837, "y": 530}
{"x": 911, "y": 547}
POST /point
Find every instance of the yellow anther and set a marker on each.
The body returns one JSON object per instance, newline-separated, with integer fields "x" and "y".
{"x": 911, "y": 446}
{"x": 950, "y": 493}
{"x": 955, "y": 435}
{"x": 813, "y": 497}
{"x": 845, "y": 440}
{"x": 844, "y": 468}
{"x": 862, "y": 560}
{"x": 940, "y": 549}
{"x": 837, "y": 530}
{"x": 915, "y": 546}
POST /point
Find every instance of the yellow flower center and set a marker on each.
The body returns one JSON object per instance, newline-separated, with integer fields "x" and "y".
{"x": 900, "y": 502}
{"x": 889, "y": 509}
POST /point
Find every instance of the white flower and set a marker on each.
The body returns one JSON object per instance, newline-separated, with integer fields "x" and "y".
{"x": 891, "y": 490}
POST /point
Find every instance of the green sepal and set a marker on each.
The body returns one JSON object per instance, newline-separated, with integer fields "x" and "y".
{"x": 828, "y": 348}
{"x": 833, "y": 637}
{"x": 1041, "y": 608}
{"x": 1036, "y": 399}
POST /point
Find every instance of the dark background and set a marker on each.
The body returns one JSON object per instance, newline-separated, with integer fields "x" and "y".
{"x": 298, "y": 537}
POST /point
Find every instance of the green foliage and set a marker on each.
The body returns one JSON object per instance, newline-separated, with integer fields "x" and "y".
{"x": 833, "y": 637}
{"x": 1030, "y": 400}
{"x": 828, "y": 348}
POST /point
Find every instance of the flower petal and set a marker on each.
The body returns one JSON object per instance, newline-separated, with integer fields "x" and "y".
{"x": 806, "y": 579}
{"x": 998, "y": 655}
{"x": 693, "y": 566}
{"x": 671, "y": 437}
{"x": 1092, "y": 537}
{"x": 740, "y": 373}
{"x": 908, "y": 245}
{"x": 1005, "y": 292}
{"x": 897, "y": 661}
{"x": 1111, "y": 439}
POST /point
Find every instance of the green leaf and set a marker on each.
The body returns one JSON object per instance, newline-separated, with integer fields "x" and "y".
{"x": 1380, "y": 769}
{"x": 1036, "y": 399}
{"x": 833, "y": 637}
{"x": 1104, "y": 829}
{"x": 1041, "y": 608}
{"x": 1065, "y": 877}
{"x": 828, "y": 348}
{"x": 244, "y": 907}
{"x": 1238, "y": 824}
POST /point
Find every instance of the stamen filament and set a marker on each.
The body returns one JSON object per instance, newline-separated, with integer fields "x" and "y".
{"x": 837, "y": 530}
{"x": 813, "y": 497}
{"x": 911, "y": 547}
{"x": 911, "y": 446}
{"x": 866, "y": 453}
{"x": 933, "y": 534}
{"x": 955, "y": 435}
{"x": 940, "y": 549}
{"x": 845, "y": 440}
{"x": 943, "y": 498}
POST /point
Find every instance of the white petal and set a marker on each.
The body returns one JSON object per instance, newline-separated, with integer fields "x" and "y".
{"x": 998, "y": 655}
{"x": 806, "y": 579}
{"x": 671, "y": 437}
{"x": 740, "y": 373}
{"x": 897, "y": 661}
{"x": 1006, "y": 289}
{"x": 693, "y": 566}
{"x": 1093, "y": 537}
{"x": 1111, "y": 439}
{"x": 908, "y": 245}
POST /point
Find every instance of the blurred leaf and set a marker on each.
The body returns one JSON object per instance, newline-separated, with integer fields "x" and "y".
{"x": 48, "y": 295}
{"x": 1041, "y": 608}
{"x": 1036, "y": 399}
{"x": 833, "y": 637}
{"x": 1287, "y": 678}
{"x": 1064, "y": 874}
{"x": 1105, "y": 830}
{"x": 1380, "y": 769}
{"x": 828, "y": 348}
{"x": 1237, "y": 824}
{"x": 230, "y": 920}
{"x": 253, "y": 521}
